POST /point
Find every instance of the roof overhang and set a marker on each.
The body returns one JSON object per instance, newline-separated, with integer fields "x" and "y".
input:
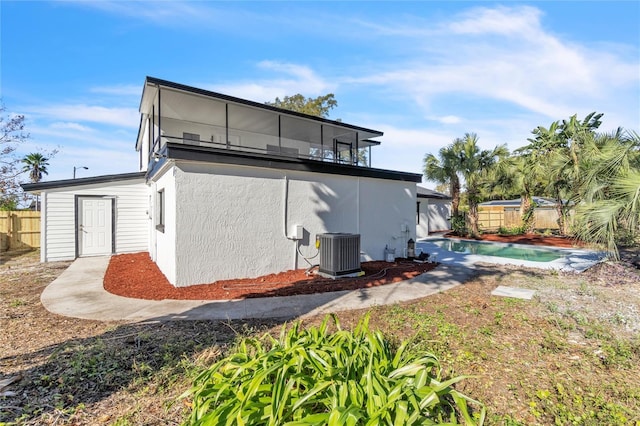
{"x": 180, "y": 152}
{"x": 422, "y": 192}
{"x": 37, "y": 188}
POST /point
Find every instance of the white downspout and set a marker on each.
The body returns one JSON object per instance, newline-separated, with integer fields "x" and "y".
{"x": 358, "y": 208}
{"x": 426, "y": 216}
{"x": 285, "y": 203}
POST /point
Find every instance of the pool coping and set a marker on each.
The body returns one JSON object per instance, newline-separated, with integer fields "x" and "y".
{"x": 576, "y": 260}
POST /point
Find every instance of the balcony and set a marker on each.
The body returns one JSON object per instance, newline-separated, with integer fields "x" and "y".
{"x": 184, "y": 115}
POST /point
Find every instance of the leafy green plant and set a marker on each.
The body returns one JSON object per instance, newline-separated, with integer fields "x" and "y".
{"x": 317, "y": 377}
{"x": 514, "y": 230}
{"x": 459, "y": 225}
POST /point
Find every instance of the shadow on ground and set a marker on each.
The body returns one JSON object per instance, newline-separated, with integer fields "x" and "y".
{"x": 58, "y": 381}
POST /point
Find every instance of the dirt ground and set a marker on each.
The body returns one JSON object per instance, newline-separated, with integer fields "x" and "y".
{"x": 571, "y": 351}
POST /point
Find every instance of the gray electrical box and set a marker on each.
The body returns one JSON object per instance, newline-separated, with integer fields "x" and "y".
{"x": 339, "y": 254}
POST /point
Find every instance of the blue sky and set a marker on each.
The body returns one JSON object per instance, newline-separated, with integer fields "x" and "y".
{"x": 422, "y": 72}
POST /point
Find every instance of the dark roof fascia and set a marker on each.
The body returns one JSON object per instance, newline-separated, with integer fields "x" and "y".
{"x": 223, "y": 156}
{"x": 422, "y": 192}
{"x": 43, "y": 186}
{"x": 178, "y": 86}
{"x": 435, "y": 197}
{"x": 506, "y": 203}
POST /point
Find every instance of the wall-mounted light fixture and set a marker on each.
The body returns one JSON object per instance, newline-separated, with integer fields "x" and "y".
{"x": 157, "y": 156}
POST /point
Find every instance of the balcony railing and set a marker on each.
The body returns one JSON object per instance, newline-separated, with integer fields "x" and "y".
{"x": 287, "y": 148}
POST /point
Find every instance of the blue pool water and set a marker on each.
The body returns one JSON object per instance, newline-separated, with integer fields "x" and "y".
{"x": 499, "y": 250}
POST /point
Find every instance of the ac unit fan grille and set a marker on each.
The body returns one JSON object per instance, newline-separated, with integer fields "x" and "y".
{"x": 339, "y": 254}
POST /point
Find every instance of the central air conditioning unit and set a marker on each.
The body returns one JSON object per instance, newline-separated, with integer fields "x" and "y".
{"x": 339, "y": 255}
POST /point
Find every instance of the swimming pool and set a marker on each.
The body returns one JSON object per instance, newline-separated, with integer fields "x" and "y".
{"x": 508, "y": 250}
{"x": 469, "y": 253}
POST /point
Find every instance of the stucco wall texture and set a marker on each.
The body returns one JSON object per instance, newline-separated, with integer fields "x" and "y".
{"x": 230, "y": 220}
{"x": 434, "y": 216}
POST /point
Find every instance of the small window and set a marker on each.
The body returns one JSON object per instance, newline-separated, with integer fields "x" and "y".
{"x": 190, "y": 136}
{"x": 418, "y": 212}
{"x": 160, "y": 210}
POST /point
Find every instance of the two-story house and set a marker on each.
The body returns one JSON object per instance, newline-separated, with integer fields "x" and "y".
{"x": 230, "y": 188}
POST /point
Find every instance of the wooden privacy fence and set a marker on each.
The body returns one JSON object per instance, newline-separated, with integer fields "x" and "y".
{"x": 493, "y": 218}
{"x": 19, "y": 230}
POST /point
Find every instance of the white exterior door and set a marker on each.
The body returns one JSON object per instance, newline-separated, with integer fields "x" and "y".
{"x": 95, "y": 227}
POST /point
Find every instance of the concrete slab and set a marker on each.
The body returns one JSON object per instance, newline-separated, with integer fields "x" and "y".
{"x": 518, "y": 293}
{"x": 78, "y": 292}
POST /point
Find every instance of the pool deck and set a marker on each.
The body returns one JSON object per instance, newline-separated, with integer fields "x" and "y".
{"x": 574, "y": 260}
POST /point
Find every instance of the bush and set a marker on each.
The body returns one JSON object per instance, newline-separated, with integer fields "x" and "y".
{"x": 459, "y": 225}
{"x": 314, "y": 377}
{"x": 515, "y": 230}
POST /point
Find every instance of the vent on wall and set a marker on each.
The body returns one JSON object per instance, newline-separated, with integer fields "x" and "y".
{"x": 339, "y": 254}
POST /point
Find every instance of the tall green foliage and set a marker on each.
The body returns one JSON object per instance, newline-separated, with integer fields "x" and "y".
{"x": 560, "y": 152}
{"x": 517, "y": 176}
{"x": 475, "y": 165}
{"x": 317, "y": 377}
{"x": 594, "y": 174}
{"x": 609, "y": 190}
{"x": 444, "y": 169}
{"x": 320, "y": 106}
{"x": 36, "y": 165}
{"x": 463, "y": 160}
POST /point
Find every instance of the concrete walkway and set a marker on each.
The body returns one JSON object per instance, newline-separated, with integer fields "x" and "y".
{"x": 78, "y": 292}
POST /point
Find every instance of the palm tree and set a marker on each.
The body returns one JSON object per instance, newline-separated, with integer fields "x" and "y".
{"x": 561, "y": 147}
{"x": 609, "y": 190}
{"x": 475, "y": 165}
{"x": 444, "y": 170}
{"x": 36, "y": 164}
{"x": 519, "y": 176}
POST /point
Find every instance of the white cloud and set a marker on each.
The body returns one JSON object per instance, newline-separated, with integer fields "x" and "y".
{"x": 301, "y": 75}
{"x": 103, "y": 156}
{"x": 71, "y": 126}
{"x": 302, "y": 79}
{"x": 447, "y": 119}
{"x": 100, "y": 161}
{"x": 504, "y": 54}
{"x": 160, "y": 12}
{"x": 73, "y": 136}
{"x": 519, "y": 20}
{"x": 403, "y": 149}
{"x": 125, "y": 117}
{"x": 119, "y": 90}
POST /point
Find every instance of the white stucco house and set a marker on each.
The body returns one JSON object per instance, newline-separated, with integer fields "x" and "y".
{"x": 230, "y": 188}
{"x": 433, "y": 212}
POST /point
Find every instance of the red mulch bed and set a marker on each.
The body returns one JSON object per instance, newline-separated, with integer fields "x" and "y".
{"x": 137, "y": 276}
